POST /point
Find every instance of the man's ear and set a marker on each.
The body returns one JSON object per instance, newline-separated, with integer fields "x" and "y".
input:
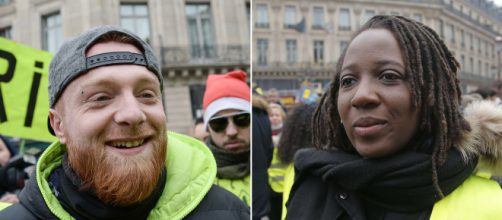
{"x": 57, "y": 125}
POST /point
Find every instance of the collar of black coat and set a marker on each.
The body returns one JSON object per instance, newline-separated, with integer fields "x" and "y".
{"x": 401, "y": 183}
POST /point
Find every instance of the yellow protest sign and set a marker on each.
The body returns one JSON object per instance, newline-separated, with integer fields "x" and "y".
{"x": 24, "y": 101}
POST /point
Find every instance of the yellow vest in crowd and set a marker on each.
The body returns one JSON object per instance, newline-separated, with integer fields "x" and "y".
{"x": 276, "y": 173}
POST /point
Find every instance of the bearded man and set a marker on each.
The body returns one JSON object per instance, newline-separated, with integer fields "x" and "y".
{"x": 112, "y": 159}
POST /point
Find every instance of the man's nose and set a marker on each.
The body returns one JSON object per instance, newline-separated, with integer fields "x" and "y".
{"x": 231, "y": 129}
{"x": 129, "y": 111}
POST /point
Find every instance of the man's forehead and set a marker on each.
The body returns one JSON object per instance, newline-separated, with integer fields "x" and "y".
{"x": 111, "y": 46}
{"x": 227, "y": 111}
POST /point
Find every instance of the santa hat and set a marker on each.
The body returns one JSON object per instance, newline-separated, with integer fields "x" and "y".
{"x": 225, "y": 91}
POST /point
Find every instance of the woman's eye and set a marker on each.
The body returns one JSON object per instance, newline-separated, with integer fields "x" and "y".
{"x": 347, "y": 81}
{"x": 389, "y": 76}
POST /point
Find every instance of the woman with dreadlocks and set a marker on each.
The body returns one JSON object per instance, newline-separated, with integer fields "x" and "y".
{"x": 391, "y": 141}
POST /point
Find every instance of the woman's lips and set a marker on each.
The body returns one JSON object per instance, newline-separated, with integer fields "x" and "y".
{"x": 368, "y": 130}
{"x": 368, "y": 126}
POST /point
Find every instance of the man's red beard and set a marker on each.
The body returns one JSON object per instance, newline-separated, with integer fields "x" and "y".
{"x": 118, "y": 179}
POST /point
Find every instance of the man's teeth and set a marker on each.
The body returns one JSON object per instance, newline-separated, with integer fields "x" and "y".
{"x": 128, "y": 144}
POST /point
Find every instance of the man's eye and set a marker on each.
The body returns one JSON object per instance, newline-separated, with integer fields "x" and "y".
{"x": 102, "y": 98}
{"x": 147, "y": 95}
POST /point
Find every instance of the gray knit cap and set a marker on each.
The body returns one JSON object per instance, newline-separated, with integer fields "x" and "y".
{"x": 70, "y": 61}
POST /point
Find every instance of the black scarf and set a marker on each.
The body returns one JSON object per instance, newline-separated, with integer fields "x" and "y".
{"x": 230, "y": 165}
{"x": 80, "y": 204}
{"x": 400, "y": 184}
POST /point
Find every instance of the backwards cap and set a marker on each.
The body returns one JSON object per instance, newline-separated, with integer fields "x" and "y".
{"x": 70, "y": 61}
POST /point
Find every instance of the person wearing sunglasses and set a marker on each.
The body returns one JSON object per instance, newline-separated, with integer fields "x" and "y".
{"x": 227, "y": 117}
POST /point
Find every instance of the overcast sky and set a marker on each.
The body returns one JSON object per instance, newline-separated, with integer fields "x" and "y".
{"x": 498, "y": 2}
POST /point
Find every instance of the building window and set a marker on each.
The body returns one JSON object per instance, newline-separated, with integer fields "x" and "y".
{"x": 452, "y": 33}
{"x": 6, "y": 32}
{"x": 200, "y": 31}
{"x": 134, "y": 17}
{"x": 262, "y": 47}
{"x": 289, "y": 16}
{"x": 395, "y": 13}
{"x": 479, "y": 44}
{"x": 480, "y": 68}
{"x": 471, "y": 41}
{"x": 487, "y": 70}
{"x": 462, "y": 61}
{"x": 344, "y": 20}
{"x": 441, "y": 28}
{"x": 462, "y": 38}
{"x": 318, "y": 18}
{"x": 368, "y": 14}
{"x": 471, "y": 65}
{"x": 261, "y": 16}
{"x": 343, "y": 45}
{"x": 248, "y": 12}
{"x": 319, "y": 52}
{"x": 291, "y": 50}
{"x": 417, "y": 17}
{"x": 52, "y": 34}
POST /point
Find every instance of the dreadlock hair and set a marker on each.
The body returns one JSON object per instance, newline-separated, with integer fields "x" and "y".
{"x": 296, "y": 133}
{"x": 432, "y": 74}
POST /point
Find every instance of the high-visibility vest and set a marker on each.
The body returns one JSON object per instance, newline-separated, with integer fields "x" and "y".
{"x": 239, "y": 187}
{"x": 276, "y": 172}
{"x": 477, "y": 198}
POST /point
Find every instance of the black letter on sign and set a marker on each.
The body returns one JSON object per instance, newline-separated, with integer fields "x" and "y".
{"x": 33, "y": 95}
{"x": 6, "y": 77}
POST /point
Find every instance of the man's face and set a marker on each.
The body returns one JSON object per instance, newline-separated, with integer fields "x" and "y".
{"x": 233, "y": 137}
{"x": 113, "y": 123}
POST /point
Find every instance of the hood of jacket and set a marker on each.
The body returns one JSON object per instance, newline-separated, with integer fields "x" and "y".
{"x": 485, "y": 138}
{"x": 191, "y": 171}
{"x": 260, "y": 103}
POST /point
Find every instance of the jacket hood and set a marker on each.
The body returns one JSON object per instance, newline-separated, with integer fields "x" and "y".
{"x": 485, "y": 138}
{"x": 260, "y": 102}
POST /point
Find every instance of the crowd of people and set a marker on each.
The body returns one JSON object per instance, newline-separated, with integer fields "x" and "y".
{"x": 386, "y": 140}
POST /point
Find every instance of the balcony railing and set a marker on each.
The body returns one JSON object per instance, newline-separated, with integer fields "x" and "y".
{"x": 206, "y": 55}
{"x": 286, "y": 66}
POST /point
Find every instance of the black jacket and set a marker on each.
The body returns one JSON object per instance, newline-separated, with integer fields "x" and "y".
{"x": 262, "y": 156}
{"x": 338, "y": 185}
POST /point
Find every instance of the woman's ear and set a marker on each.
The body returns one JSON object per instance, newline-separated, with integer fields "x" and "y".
{"x": 57, "y": 125}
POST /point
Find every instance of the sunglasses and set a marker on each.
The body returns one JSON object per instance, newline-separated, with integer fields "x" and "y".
{"x": 220, "y": 123}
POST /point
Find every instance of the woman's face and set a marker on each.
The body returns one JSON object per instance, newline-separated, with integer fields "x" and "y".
{"x": 374, "y": 100}
{"x": 275, "y": 117}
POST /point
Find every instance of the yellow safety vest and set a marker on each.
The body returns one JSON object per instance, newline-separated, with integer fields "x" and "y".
{"x": 239, "y": 187}
{"x": 289, "y": 179}
{"x": 276, "y": 172}
{"x": 477, "y": 198}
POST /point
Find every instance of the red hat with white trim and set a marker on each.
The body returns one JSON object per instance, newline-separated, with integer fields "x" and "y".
{"x": 225, "y": 91}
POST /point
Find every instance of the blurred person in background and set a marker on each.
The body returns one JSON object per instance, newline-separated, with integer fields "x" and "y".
{"x": 297, "y": 134}
{"x": 262, "y": 155}
{"x": 226, "y": 106}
